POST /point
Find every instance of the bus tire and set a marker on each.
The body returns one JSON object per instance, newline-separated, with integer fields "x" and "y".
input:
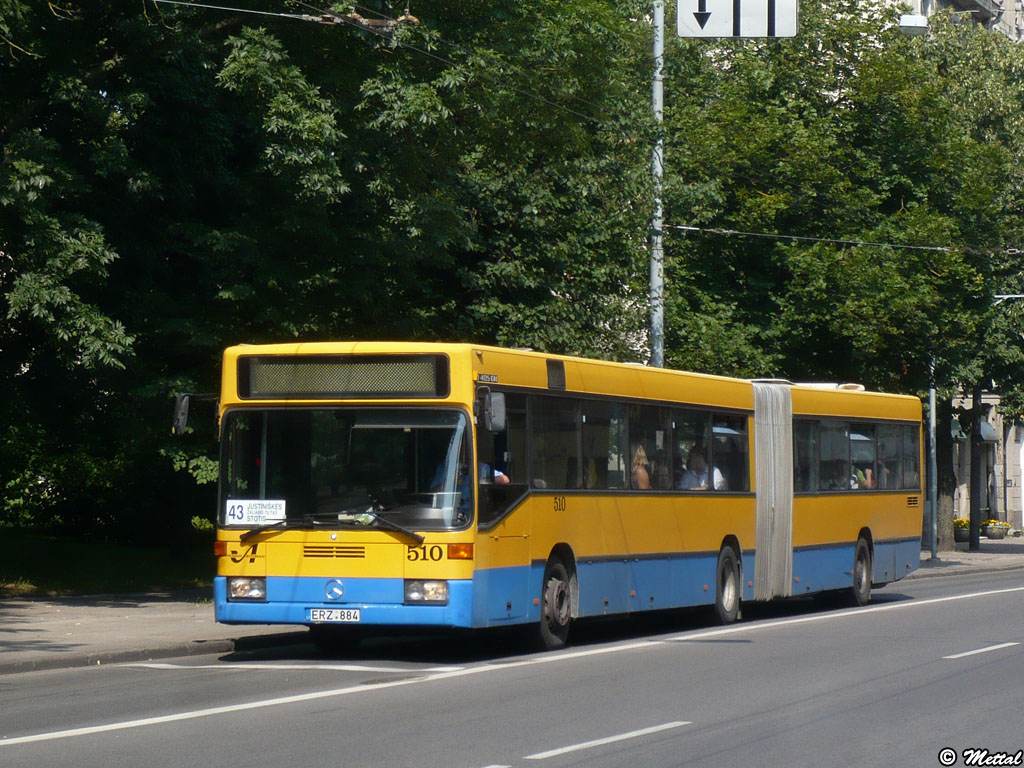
{"x": 727, "y": 586}
{"x": 860, "y": 592}
{"x": 556, "y": 606}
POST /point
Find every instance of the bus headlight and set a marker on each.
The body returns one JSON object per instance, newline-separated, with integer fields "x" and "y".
{"x": 245, "y": 588}
{"x": 417, "y": 591}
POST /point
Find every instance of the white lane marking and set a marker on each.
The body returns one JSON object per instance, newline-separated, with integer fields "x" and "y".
{"x": 550, "y": 658}
{"x": 198, "y": 713}
{"x": 607, "y": 740}
{"x": 981, "y": 650}
{"x": 245, "y": 667}
{"x": 844, "y": 614}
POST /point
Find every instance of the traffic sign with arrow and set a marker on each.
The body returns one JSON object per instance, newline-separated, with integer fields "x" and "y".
{"x": 736, "y": 18}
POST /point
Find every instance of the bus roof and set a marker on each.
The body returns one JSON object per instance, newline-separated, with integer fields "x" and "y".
{"x": 527, "y": 369}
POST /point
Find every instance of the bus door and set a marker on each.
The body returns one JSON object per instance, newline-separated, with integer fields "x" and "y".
{"x": 503, "y": 552}
{"x": 773, "y": 473}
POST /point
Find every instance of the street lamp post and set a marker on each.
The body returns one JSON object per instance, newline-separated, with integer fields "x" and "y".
{"x": 933, "y": 465}
{"x": 657, "y": 286}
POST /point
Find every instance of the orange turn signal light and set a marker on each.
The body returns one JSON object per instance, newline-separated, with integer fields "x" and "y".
{"x": 460, "y": 551}
{"x": 220, "y": 549}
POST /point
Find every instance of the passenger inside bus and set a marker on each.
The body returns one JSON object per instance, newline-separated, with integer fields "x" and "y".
{"x": 696, "y": 476}
{"x": 641, "y": 474}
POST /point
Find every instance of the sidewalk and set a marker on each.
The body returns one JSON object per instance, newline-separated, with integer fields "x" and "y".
{"x": 60, "y": 632}
{"x": 54, "y": 633}
{"x": 994, "y": 555}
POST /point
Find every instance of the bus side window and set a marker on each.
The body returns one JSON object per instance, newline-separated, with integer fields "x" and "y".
{"x": 501, "y": 462}
{"x": 604, "y": 460}
{"x": 805, "y": 455}
{"x": 554, "y": 442}
{"x": 911, "y": 458}
{"x": 730, "y": 452}
{"x": 650, "y": 448}
{"x": 835, "y": 456}
{"x": 889, "y": 440}
{"x": 862, "y": 456}
{"x": 690, "y": 449}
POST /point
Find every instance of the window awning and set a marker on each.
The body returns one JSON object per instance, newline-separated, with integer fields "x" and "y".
{"x": 988, "y": 433}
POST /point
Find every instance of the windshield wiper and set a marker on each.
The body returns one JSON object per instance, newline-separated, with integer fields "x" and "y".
{"x": 371, "y": 516}
{"x": 285, "y": 523}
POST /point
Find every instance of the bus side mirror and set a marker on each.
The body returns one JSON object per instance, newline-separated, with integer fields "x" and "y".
{"x": 180, "y": 414}
{"x": 494, "y": 411}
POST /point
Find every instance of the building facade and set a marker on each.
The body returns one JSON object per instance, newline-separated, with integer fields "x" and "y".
{"x": 1002, "y": 464}
{"x": 1003, "y": 16}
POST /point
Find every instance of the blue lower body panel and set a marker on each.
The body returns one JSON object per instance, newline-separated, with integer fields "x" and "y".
{"x": 504, "y": 596}
{"x": 378, "y": 600}
{"x": 896, "y": 559}
{"x": 822, "y": 568}
{"x": 618, "y": 586}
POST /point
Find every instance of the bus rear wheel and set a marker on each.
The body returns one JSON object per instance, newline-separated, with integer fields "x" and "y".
{"x": 727, "y": 586}
{"x": 860, "y": 592}
{"x": 556, "y": 607}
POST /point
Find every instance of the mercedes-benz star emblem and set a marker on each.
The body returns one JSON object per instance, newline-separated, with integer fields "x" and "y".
{"x": 334, "y": 589}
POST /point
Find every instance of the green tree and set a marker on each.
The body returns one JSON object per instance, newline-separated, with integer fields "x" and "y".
{"x": 176, "y": 180}
{"x": 849, "y": 135}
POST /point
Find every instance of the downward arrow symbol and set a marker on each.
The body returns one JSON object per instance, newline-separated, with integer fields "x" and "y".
{"x": 702, "y": 15}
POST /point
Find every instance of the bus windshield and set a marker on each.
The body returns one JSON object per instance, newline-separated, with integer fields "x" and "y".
{"x": 344, "y": 466}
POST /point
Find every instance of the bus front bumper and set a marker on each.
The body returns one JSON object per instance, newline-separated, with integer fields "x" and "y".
{"x": 379, "y": 602}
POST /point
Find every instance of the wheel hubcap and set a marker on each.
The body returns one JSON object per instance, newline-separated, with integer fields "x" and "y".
{"x": 558, "y": 604}
{"x": 728, "y": 579}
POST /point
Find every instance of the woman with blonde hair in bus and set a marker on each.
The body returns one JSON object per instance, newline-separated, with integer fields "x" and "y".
{"x": 641, "y": 475}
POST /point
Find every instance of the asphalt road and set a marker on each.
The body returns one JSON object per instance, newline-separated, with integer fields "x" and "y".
{"x": 930, "y": 665}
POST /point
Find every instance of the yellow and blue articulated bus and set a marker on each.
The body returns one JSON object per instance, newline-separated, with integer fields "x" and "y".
{"x": 383, "y": 485}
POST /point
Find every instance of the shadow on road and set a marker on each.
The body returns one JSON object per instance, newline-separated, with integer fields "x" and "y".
{"x": 498, "y": 646}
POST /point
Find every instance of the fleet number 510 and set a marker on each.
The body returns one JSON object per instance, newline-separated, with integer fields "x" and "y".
{"x": 432, "y": 553}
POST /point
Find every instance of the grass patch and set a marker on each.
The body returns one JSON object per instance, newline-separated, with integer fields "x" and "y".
{"x": 33, "y": 563}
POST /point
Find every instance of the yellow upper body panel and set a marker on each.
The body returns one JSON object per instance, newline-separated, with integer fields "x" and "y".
{"x": 817, "y": 401}
{"x": 511, "y": 368}
{"x": 526, "y": 369}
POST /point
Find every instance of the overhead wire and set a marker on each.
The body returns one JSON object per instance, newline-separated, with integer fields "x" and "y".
{"x": 844, "y": 242}
{"x": 331, "y": 17}
{"x": 476, "y": 52}
{"x": 452, "y": 63}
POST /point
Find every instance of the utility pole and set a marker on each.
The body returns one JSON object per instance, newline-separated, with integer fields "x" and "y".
{"x": 933, "y": 465}
{"x": 977, "y": 481}
{"x": 657, "y": 290}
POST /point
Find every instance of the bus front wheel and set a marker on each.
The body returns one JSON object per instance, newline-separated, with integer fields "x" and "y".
{"x": 727, "y": 586}
{"x": 861, "y": 590}
{"x": 556, "y": 607}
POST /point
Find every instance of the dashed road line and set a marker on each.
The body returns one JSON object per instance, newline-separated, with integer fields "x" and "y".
{"x": 980, "y": 650}
{"x": 608, "y": 740}
{"x": 551, "y": 658}
{"x": 247, "y": 667}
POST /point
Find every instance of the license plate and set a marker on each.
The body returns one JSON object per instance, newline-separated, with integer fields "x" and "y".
{"x": 333, "y": 615}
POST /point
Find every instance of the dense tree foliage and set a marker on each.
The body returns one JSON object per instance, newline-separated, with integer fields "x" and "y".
{"x": 174, "y": 180}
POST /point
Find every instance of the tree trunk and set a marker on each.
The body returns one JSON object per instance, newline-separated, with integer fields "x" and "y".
{"x": 945, "y": 476}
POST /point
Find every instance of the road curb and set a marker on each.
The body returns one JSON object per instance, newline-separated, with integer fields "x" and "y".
{"x": 959, "y": 570}
{"x": 123, "y": 656}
